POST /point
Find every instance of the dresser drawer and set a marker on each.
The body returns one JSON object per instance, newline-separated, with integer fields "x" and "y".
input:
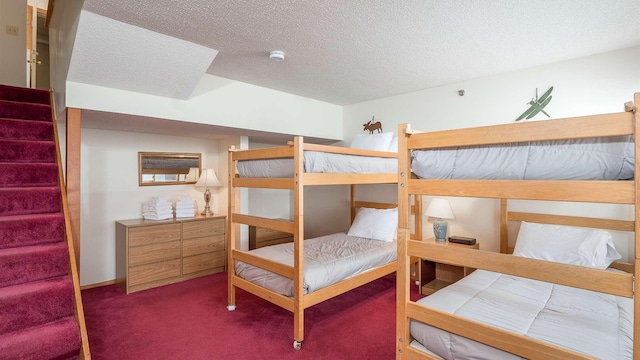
{"x": 152, "y": 272}
{"x": 153, "y": 234}
{"x": 261, "y": 237}
{"x": 196, "y": 229}
{"x": 140, "y": 255}
{"x": 203, "y": 262}
{"x": 202, "y": 245}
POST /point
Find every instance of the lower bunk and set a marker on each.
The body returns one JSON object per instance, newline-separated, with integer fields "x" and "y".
{"x": 528, "y": 318}
{"x": 332, "y": 264}
{"x": 593, "y": 324}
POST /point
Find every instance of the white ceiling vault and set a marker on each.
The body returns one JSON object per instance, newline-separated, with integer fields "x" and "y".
{"x": 345, "y": 52}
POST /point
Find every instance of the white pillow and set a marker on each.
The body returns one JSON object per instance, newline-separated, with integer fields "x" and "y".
{"x": 393, "y": 146}
{"x": 566, "y": 244}
{"x": 378, "y": 142}
{"x": 376, "y": 224}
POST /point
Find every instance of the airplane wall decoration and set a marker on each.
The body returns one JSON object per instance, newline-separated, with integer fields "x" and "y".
{"x": 537, "y": 105}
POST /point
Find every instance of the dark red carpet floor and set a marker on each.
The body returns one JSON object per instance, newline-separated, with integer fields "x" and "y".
{"x": 189, "y": 320}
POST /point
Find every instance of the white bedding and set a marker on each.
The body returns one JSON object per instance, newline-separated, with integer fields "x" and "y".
{"x": 610, "y": 158}
{"x": 318, "y": 162}
{"x": 327, "y": 260}
{"x": 597, "y": 324}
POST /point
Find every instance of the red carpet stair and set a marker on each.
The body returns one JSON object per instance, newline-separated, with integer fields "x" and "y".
{"x": 36, "y": 290}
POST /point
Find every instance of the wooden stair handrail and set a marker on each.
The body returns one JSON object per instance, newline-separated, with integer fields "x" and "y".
{"x": 73, "y": 263}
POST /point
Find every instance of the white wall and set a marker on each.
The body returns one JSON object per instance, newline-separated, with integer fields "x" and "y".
{"x": 13, "y": 57}
{"x": 221, "y": 102}
{"x": 591, "y": 85}
{"x": 110, "y": 191}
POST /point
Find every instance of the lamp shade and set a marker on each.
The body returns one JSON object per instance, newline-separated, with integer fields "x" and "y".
{"x": 439, "y": 208}
{"x": 192, "y": 176}
{"x": 208, "y": 179}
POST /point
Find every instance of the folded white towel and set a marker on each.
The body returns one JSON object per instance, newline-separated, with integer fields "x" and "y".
{"x": 186, "y": 215}
{"x": 157, "y": 217}
{"x": 157, "y": 213}
{"x": 185, "y": 207}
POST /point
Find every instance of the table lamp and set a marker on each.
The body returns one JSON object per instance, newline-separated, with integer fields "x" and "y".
{"x": 207, "y": 180}
{"x": 440, "y": 209}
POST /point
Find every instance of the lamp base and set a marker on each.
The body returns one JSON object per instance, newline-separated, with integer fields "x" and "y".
{"x": 440, "y": 230}
{"x": 207, "y": 198}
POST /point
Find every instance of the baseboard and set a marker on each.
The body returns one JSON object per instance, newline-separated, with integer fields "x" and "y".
{"x": 100, "y": 284}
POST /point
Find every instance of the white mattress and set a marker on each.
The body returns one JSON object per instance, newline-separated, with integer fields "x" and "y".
{"x": 597, "y": 324}
{"x": 608, "y": 158}
{"x": 318, "y": 162}
{"x": 327, "y": 260}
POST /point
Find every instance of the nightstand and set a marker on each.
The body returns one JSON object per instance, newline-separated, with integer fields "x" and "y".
{"x": 434, "y": 276}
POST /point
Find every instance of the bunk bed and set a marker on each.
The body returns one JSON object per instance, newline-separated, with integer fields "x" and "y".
{"x": 487, "y": 330}
{"x": 294, "y": 174}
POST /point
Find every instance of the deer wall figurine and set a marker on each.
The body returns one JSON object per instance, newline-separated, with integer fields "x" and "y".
{"x": 371, "y": 126}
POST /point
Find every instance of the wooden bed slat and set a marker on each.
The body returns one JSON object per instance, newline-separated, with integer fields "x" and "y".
{"x": 257, "y": 221}
{"x": 511, "y": 342}
{"x": 556, "y": 129}
{"x": 273, "y": 266}
{"x": 348, "y": 151}
{"x": 596, "y": 223}
{"x": 611, "y": 192}
{"x": 271, "y": 296}
{"x": 570, "y": 275}
{"x": 259, "y": 154}
{"x": 269, "y": 183}
{"x": 348, "y": 179}
{"x": 353, "y": 282}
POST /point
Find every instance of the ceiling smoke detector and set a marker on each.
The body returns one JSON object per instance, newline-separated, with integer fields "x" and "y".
{"x": 276, "y": 55}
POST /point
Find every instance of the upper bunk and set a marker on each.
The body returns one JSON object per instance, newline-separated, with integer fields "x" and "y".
{"x": 300, "y": 163}
{"x": 542, "y": 160}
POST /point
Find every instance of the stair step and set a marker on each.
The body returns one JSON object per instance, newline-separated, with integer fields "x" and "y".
{"x": 28, "y": 174}
{"x": 27, "y": 151}
{"x": 33, "y": 263}
{"x": 56, "y": 340}
{"x": 18, "y": 129}
{"x": 26, "y": 111}
{"x": 35, "y": 303}
{"x": 29, "y": 230}
{"x": 29, "y": 200}
{"x": 21, "y": 94}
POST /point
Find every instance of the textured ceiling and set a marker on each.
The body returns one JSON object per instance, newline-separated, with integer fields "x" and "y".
{"x": 345, "y": 52}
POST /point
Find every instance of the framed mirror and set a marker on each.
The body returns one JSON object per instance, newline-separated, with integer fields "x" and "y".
{"x": 165, "y": 168}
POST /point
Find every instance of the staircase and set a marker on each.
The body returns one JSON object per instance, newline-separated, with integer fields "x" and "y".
{"x": 40, "y": 307}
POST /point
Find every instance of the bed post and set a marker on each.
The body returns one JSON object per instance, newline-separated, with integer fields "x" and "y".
{"x": 402, "y": 278}
{"x": 231, "y": 232}
{"x": 504, "y": 227}
{"x": 636, "y": 262}
{"x": 352, "y": 187}
{"x": 298, "y": 242}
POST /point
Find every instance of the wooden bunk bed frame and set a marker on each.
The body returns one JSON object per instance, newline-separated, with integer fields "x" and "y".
{"x": 300, "y": 301}
{"x": 612, "y": 192}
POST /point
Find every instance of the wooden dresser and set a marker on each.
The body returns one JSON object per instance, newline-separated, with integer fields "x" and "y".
{"x": 260, "y": 237}
{"x": 154, "y": 253}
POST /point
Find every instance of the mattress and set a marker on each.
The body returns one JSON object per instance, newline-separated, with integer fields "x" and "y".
{"x": 327, "y": 260}
{"x": 606, "y": 158}
{"x": 597, "y": 324}
{"x": 317, "y": 162}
